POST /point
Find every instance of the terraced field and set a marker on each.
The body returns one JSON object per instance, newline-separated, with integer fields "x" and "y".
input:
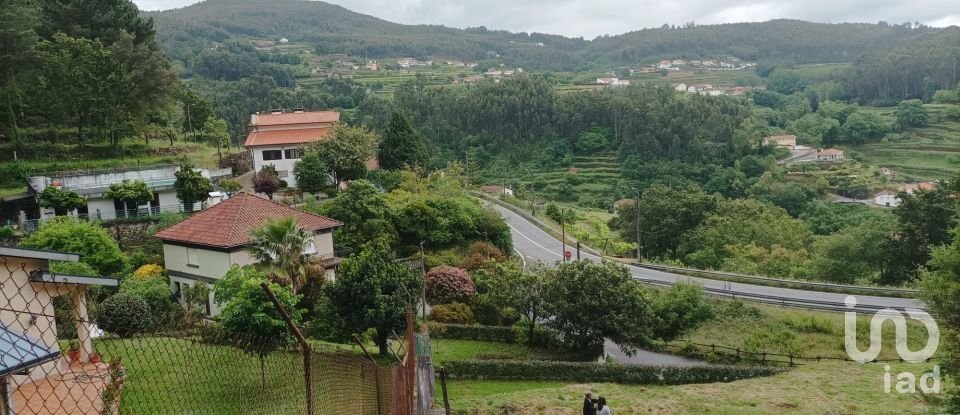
{"x": 931, "y": 152}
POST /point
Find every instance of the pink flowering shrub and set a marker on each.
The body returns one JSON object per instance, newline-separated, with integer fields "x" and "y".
{"x": 445, "y": 284}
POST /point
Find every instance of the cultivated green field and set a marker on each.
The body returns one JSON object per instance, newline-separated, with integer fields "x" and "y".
{"x": 931, "y": 152}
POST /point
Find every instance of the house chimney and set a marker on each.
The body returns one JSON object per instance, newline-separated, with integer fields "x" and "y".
{"x": 276, "y": 111}
{"x": 298, "y": 110}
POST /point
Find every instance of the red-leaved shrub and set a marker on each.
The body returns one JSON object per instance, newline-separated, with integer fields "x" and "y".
{"x": 445, "y": 284}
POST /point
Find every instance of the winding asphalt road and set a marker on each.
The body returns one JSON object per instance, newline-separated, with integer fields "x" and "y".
{"x": 535, "y": 245}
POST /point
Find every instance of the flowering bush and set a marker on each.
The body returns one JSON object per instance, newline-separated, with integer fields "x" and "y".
{"x": 482, "y": 255}
{"x": 445, "y": 284}
{"x": 148, "y": 271}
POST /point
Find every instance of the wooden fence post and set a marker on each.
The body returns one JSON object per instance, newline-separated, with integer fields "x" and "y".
{"x": 443, "y": 385}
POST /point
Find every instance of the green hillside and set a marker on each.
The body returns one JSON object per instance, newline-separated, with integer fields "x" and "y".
{"x": 930, "y": 152}
{"x": 333, "y": 29}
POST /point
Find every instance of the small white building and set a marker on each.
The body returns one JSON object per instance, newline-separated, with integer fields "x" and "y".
{"x": 681, "y": 87}
{"x": 202, "y": 248}
{"x": 830, "y": 154}
{"x": 277, "y": 138}
{"x": 94, "y": 185}
{"x": 613, "y": 81}
{"x": 786, "y": 141}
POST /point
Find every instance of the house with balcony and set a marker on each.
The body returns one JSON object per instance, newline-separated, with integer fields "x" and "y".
{"x": 277, "y": 138}
{"x": 24, "y": 209}
{"x": 202, "y": 248}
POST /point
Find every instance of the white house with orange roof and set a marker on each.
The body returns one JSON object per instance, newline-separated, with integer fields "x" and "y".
{"x": 277, "y": 138}
{"x": 202, "y": 248}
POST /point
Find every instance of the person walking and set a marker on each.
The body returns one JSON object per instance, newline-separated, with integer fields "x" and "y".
{"x": 602, "y": 408}
{"x": 588, "y": 401}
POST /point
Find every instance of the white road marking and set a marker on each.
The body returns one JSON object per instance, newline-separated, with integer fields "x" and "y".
{"x": 531, "y": 241}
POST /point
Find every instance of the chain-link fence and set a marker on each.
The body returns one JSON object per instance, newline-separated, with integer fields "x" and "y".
{"x": 55, "y": 359}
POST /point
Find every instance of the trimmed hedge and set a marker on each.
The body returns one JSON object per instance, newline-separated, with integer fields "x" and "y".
{"x": 503, "y": 334}
{"x": 601, "y": 372}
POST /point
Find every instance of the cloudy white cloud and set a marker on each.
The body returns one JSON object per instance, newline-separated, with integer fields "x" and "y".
{"x": 590, "y": 18}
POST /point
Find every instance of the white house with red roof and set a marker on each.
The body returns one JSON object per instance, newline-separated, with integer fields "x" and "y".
{"x": 203, "y": 247}
{"x": 277, "y": 138}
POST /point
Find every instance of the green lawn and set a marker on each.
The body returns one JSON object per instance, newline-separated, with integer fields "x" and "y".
{"x": 132, "y": 153}
{"x": 178, "y": 376}
{"x": 816, "y": 389}
{"x": 449, "y": 349}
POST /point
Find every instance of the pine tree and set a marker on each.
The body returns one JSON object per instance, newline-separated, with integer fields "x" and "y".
{"x": 401, "y": 148}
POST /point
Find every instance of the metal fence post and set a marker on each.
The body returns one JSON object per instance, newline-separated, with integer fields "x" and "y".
{"x": 307, "y": 372}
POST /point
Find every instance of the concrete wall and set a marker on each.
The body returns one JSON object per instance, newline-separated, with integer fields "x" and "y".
{"x": 324, "y": 244}
{"x": 284, "y": 166}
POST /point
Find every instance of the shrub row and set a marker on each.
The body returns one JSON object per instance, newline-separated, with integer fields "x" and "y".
{"x": 503, "y": 334}
{"x": 601, "y": 372}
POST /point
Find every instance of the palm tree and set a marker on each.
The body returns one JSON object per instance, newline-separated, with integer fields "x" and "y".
{"x": 286, "y": 248}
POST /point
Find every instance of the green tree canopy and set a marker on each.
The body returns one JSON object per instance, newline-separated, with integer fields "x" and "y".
{"x": 346, "y": 152}
{"x": 666, "y": 214}
{"x": 135, "y": 191}
{"x": 191, "y": 186}
{"x": 311, "y": 173}
{"x": 248, "y": 316}
{"x": 855, "y": 253}
{"x": 62, "y": 201}
{"x": 95, "y": 247}
{"x": 401, "y": 147}
{"x": 940, "y": 289}
{"x": 572, "y": 292}
{"x": 365, "y": 214}
{"x": 373, "y": 291}
{"x": 863, "y": 126}
{"x": 910, "y": 113}
{"x": 742, "y": 222}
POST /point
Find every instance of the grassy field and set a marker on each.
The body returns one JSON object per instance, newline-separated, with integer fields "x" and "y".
{"x": 763, "y": 328}
{"x": 177, "y": 376}
{"x": 825, "y": 388}
{"x": 828, "y": 387}
{"x": 931, "y": 152}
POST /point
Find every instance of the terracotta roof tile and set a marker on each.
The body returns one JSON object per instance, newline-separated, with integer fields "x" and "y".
{"x": 280, "y": 137}
{"x": 310, "y": 117}
{"x": 228, "y": 224}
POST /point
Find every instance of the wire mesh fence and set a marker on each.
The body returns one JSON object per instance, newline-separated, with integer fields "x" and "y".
{"x": 56, "y": 359}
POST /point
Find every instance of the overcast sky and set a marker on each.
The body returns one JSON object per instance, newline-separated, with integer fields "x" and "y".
{"x": 590, "y": 18}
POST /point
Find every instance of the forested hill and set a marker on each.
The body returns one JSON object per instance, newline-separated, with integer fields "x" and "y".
{"x": 782, "y": 40}
{"x": 334, "y": 29}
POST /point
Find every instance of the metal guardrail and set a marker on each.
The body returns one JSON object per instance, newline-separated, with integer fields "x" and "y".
{"x": 819, "y": 286}
{"x": 778, "y": 300}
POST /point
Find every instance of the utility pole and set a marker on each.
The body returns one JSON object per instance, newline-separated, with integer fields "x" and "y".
{"x": 533, "y": 196}
{"x": 563, "y": 237}
{"x": 637, "y": 207}
{"x": 423, "y": 274}
{"x": 189, "y": 123}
